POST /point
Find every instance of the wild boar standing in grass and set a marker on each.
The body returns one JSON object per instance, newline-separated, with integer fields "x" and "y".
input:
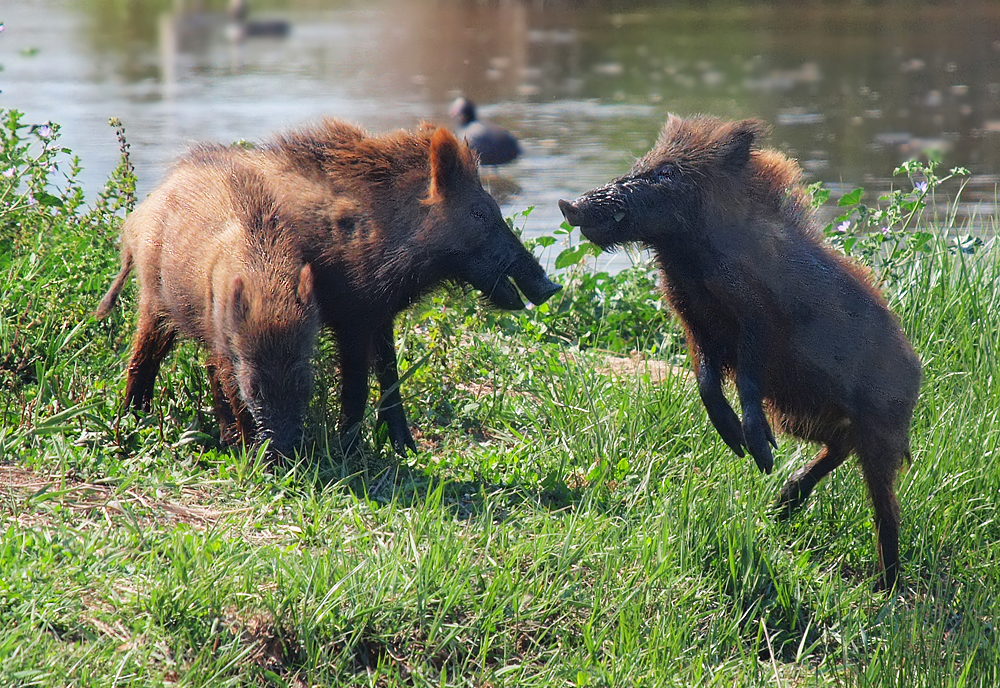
{"x": 798, "y": 326}
{"x": 216, "y": 264}
{"x": 382, "y": 220}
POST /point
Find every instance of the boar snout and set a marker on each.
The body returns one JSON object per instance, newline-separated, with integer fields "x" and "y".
{"x": 280, "y": 444}
{"x": 598, "y": 214}
{"x": 535, "y": 284}
{"x": 546, "y": 290}
{"x": 529, "y": 276}
{"x": 570, "y": 212}
{"x": 492, "y": 272}
{"x": 280, "y": 423}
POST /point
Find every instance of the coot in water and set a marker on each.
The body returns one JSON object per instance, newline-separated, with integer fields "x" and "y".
{"x": 494, "y": 144}
{"x": 241, "y": 26}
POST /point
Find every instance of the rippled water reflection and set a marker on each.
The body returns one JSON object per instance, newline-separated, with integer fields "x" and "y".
{"x": 850, "y": 90}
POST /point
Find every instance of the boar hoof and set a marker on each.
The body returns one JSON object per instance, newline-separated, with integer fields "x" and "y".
{"x": 392, "y": 422}
{"x": 405, "y": 446}
{"x": 728, "y": 427}
{"x": 350, "y": 442}
{"x": 402, "y": 440}
{"x": 888, "y": 581}
{"x": 760, "y": 450}
{"x": 763, "y": 458}
{"x": 759, "y": 439}
{"x": 793, "y": 496}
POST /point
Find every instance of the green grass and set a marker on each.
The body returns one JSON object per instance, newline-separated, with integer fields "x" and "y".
{"x": 569, "y": 520}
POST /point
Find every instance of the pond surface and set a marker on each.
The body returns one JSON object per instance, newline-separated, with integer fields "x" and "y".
{"x": 851, "y": 90}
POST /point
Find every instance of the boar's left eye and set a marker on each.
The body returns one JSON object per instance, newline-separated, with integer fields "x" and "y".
{"x": 665, "y": 173}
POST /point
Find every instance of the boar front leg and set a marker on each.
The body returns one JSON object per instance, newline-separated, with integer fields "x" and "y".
{"x": 235, "y": 421}
{"x": 719, "y": 411}
{"x": 757, "y": 433}
{"x": 355, "y": 360}
{"x": 390, "y": 408}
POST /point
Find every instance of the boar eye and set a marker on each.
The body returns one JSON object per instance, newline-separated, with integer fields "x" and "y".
{"x": 665, "y": 173}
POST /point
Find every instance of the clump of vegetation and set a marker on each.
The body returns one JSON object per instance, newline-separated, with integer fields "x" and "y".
{"x": 889, "y": 237}
{"x": 617, "y": 312}
{"x": 571, "y": 519}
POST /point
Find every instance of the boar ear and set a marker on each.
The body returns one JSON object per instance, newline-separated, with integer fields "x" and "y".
{"x": 669, "y": 130}
{"x": 737, "y": 144}
{"x": 239, "y": 307}
{"x": 671, "y": 126}
{"x": 305, "y": 290}
{"x": 447, "y": 168}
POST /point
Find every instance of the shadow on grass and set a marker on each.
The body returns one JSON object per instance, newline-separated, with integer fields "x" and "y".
{"x": 383, "y": 479}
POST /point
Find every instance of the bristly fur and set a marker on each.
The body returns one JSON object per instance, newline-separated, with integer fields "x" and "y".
{"x": 344, "y": 152}
{"x": 381, "y": 219}
{"x": 359, "y": 185}
{"x": 765, "y": 302}
{"x": 771, "y": 180}
{"x": 216, "y": 264}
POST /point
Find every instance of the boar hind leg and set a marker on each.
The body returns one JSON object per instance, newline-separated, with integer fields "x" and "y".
{"x": 880, "y": 461}
{"x": 235, "y": 421}
{"x": 726, "y": 423}
{"x": 390, "y": 409}
{"x": 153, "y": 341}
{"x": 798, "y": 488}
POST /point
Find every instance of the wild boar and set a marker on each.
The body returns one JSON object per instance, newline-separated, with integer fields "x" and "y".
{"x": 799, "y": 327}
{"x": 215, "y": 264}
{"x": 382, "y": 220}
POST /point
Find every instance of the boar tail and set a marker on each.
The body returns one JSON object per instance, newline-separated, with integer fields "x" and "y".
{"x": 108, "y": 302}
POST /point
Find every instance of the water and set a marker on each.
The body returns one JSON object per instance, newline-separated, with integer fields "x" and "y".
{"x": 851, "y": 90}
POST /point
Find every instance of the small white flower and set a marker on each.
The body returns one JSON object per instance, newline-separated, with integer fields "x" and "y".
{"x": 843, "y": 227}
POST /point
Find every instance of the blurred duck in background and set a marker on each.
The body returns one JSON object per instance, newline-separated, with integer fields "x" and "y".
{"x": 241, "y": 26}
{"x": 495, "y": 145}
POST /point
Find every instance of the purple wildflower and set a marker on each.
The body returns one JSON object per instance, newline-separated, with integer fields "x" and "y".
{"x": 843, "y": 227}
{"x": 9, "y": 173}
{"x": 921, "y": 187}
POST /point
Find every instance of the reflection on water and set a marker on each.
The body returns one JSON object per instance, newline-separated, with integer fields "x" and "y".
{"x": 851, "y": 91}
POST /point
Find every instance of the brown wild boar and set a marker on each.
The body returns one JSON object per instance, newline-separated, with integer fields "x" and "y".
{"x": 383, "y": 219}
{"x": 764, "y": 301}
{"x": 215, "y": 264}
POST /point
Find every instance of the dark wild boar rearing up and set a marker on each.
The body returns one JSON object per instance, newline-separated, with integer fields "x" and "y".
{"x": 214, "y": 263}
{"x": 798, "y": 326}
{"x": 382, "y": 219}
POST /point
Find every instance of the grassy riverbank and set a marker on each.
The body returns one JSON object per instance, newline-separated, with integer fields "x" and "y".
{"x": 571, "y": 519}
